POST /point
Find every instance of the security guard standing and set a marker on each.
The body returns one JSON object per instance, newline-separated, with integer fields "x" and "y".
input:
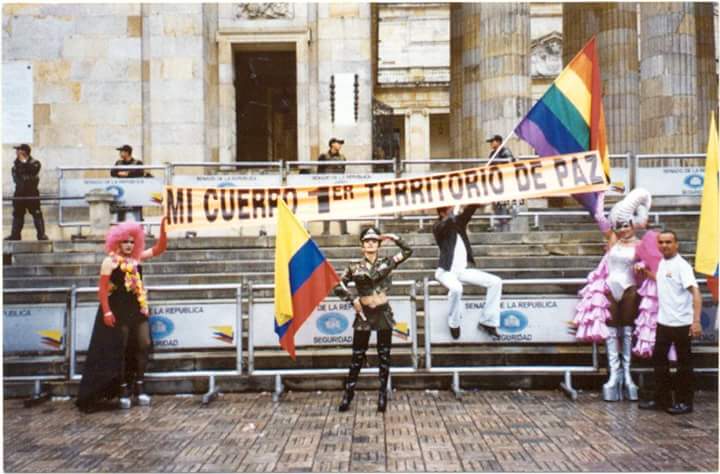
{"x": 25, "y": 173}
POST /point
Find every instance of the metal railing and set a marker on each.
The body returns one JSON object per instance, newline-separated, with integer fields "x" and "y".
{"x": 80, "y": 200}
{"x": 279, "y": 373}
{"x": 456, "y": 371}
{"x": 213, "y": 389}
{"x": 70, "y": 339}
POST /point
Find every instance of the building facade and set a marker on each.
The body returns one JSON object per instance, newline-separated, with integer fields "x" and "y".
{"x": 274, "y": 81}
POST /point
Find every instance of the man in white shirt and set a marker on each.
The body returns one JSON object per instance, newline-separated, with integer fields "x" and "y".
{"x": 679, "y": 304}
{"x": 455, "y": 268}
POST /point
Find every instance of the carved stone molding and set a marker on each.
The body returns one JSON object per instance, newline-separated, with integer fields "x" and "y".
{"x": 546, "y": 55}
{"x": 264, "y": 11}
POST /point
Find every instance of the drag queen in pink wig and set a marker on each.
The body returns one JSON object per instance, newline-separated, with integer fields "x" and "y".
{"x": 120, "y": 342}
{"x": 616, "y": 295}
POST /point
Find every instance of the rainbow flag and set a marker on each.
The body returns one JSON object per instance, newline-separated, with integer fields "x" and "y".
{"x": 707, "y": 257}
{"x": 303, "y": 277}
{"x": 570, "y": 118}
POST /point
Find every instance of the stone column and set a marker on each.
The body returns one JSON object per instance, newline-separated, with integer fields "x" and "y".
{"x": 580, "y": 22}
{"x": 417, "y": 137}
{"x": 504, "y": 70}
{"x": 707, "y": 86}
{"x": 456, "y": 79}
{"x": 179, "y": 76}
{"x": 343, "y": 43}
{"x": 615, "y": 25}
{"x": 99, "y": 201}
{"x": 668, "y": 78}
{"x": 470, "y": 13}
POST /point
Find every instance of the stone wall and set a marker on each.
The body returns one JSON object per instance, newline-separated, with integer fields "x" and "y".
{"x": 87, "y": 65}
{"x": 180, "y": 60}
{"x": 343, "y": 44}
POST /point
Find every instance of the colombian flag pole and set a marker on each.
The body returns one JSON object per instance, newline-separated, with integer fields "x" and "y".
{"x": 706, "y": 253}
{"x": 303, "y": 277}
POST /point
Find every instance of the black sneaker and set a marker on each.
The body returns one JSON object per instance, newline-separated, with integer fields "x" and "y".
{"x": 650, "y": 405}
{"x": 680, "y": 409}
{"x": 455, "y": 332}
{"x": 491, "y": 330}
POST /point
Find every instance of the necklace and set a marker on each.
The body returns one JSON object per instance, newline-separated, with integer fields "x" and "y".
{"x": 133, "y": 280}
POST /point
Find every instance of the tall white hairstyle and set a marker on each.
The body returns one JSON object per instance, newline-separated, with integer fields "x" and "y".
{"x": 633, "y": 208}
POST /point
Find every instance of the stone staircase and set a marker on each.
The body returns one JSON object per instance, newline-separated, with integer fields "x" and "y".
{"x": 562, "y": 248}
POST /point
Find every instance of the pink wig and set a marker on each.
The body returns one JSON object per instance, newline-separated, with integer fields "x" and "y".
{"x": 123, "y": 231}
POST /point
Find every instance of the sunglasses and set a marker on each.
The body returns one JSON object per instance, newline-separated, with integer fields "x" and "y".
{"x": 127, "y": 241}
{"x": 624, "y": 225}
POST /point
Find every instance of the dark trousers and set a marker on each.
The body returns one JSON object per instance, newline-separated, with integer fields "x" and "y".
{"x": 683, "y": 383}
{"x": 135, "y": 211}
{"x": 31, "y": 206}
{"x": 361, "y": 338}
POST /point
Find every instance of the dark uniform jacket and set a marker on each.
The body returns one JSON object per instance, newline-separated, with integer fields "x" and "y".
{"x": 334, "y": 168}
{"x": 26, "y": 177}
{"x": 446, "y": 232}
{"x": 370, "y": 279}
{"x": 139, "y": 173}
{"x": 503, "y": 156}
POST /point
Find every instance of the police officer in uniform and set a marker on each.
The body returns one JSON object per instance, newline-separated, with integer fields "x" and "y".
{"x": 25, "y": 173}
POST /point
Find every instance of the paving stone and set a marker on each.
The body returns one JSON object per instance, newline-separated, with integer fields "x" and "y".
{"x": 485, "y": 432}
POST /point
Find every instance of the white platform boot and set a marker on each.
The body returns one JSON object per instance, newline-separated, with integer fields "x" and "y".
{"x": 613, "y": 387}
{"x": 630, "y": 390}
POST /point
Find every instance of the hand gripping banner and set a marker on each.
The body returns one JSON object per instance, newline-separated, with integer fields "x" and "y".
{"x": 192, "y": 207}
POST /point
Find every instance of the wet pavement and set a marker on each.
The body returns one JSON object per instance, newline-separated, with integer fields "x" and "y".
{"x": 422, "y": 431}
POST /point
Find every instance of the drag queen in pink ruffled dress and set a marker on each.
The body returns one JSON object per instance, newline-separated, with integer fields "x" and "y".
{"x": 616, "y": 296}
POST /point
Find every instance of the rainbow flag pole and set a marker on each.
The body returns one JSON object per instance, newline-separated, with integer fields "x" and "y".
{"x": 569, "y": 118}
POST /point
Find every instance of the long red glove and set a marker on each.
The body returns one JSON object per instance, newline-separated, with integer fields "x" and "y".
{"x": 103, "y": 287}
{"x": 161, "y": 245}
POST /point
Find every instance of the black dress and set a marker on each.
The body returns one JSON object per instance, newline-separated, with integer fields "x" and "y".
{"x": 102, "y": 375}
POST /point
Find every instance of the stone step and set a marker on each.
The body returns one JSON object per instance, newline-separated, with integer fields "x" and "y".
{"x": 267, "y": 278}
{"x": 332, "y": 253}
{"x": 509, "y": 265}
{"x": 570, "y": 234}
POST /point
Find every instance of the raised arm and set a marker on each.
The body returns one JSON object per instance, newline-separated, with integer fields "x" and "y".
{"x": 161, "y": 244}
{"x": 467, "y": 214}
{"x": 405, "y": 250}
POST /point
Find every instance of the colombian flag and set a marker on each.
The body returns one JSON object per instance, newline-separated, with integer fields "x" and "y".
{"x": 303, "y": 277}
{"x": 570, "y": 118}
{"x": 706, "y": 256}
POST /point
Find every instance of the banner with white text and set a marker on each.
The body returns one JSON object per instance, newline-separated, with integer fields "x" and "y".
{"x": 194, "y": 207}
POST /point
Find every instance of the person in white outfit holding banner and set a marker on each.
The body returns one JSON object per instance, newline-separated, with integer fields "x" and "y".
{"x": 455, "y": 268}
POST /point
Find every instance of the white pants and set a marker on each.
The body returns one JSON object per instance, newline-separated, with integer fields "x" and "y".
{"x": 453, "y": 282}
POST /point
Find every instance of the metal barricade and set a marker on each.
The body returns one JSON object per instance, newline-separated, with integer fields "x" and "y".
{"x": 512, "y": 323}
{"x": 537, "y": 215}
{"x": 255, "y": 174}
{"x": 36, "y": 334}
{"x": 335, "y": 179}
{"x": 131, "y": 192}
{"x": 167, "y": 325}
{"x": 335, "y": 318}
{"x": 670, "y": 175}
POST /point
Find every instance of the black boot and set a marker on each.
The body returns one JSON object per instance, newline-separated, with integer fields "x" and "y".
{"x": 17, "y": 226}
{"x": 39, "y": 225}
{"x": 356, "y": 364}
{"x": 384, "y": 371}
